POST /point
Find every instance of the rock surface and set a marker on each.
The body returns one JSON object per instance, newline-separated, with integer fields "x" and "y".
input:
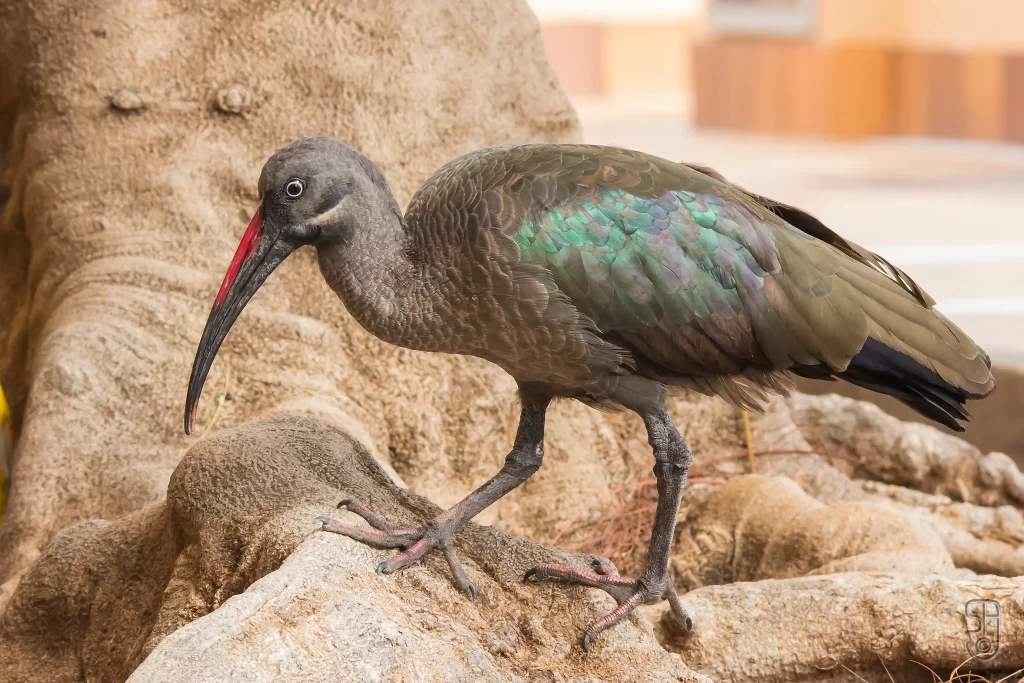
{"x": 908, "y": 454}
{"x": 117, "y": 228}
{"x": 117, "y": 224}
{"x": 172, "y": 576}
{"x": 828, "y": 628}
{"x": 730, "y": 538}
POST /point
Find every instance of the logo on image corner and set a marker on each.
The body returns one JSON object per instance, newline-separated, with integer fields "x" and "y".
{"x": 983, "y": 621}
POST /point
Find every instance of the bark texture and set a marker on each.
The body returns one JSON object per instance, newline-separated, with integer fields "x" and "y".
{"x": 122, "y": 213}
{"x": 105, "y": 594}
{"x": 131, "y": 138}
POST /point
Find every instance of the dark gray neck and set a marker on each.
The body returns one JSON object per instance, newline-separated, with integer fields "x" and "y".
{"x": 373, "y": 274}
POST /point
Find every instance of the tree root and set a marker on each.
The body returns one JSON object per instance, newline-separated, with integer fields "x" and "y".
{"x": 907, "y": 454}
{"x": 811, "y": 629}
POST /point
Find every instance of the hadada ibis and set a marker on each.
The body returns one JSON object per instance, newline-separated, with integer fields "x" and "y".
{"x": 603, "y": 275}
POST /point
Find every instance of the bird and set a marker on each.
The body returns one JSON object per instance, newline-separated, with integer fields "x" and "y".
{"x": 603, "y": 275}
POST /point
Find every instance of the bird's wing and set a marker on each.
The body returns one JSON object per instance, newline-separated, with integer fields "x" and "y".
{"x": 705, "y": 280}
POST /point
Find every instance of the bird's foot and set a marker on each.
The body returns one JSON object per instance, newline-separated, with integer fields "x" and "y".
{"x": 629, "y": 593}
{"x": 415, "y": 543}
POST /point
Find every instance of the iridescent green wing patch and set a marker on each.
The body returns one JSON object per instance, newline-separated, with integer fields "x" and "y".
{"x": 631, "y": 262}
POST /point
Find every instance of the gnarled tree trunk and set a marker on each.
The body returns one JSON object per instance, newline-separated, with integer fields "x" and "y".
{"x": 131, "y": 137}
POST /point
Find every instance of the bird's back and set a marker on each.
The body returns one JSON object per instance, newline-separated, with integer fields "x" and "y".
{"x": 596, "y": 261}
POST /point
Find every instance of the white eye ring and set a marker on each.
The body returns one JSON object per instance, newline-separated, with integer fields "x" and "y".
{"x": 294, "y": 188}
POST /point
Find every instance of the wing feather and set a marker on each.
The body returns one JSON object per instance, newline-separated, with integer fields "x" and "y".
{"x": 710, "y": 287}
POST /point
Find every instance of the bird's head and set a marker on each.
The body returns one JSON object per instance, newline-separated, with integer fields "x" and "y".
{"x": 310, "y": 192}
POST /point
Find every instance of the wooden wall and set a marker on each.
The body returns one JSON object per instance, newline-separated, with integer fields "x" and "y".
{"x": 798, "y": 87}
{"x": 622, "y": 61}
{"x": 575, "y": 52}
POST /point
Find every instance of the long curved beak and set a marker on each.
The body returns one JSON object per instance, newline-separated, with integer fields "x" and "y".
{"x": 258, "y": 254}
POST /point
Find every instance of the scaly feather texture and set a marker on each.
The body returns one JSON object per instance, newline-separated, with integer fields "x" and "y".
{"x": 668, "y": 272}
{"x": 599, "y": 274}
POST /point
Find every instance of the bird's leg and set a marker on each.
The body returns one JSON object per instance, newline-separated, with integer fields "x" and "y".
{"x": 672, "y": 461}
{"x": 524, "y": 459}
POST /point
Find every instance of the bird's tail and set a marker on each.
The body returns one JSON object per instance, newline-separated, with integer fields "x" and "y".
{"x": 910, "y": 350}
{"x": 885, "y": 370}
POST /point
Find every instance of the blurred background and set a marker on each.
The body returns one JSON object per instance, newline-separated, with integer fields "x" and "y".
{"x": 899, "y": 123}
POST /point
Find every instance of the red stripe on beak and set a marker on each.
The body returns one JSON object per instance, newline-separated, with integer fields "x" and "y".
{"x": 250, "y": 240}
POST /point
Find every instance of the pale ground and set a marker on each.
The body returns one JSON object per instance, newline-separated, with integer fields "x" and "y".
{"x": 950, "y": 213}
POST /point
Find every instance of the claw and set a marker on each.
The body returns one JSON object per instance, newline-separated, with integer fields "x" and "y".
{"x": 678, "y": 611}
{"x": 629, "y": 593}
{"x": 603, "y": 566}
{"x": 415, "y": 542}
{"x": 459, "y": 574}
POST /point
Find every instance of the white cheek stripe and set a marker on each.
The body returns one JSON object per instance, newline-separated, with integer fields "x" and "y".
{"x": 328, "y": 215}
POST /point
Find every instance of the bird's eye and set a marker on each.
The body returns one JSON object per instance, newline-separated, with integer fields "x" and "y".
{"x": 294, "y": 188}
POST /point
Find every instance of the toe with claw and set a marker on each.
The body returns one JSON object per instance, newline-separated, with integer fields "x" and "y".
{"x": 414, "y": 542}
{"x": 629, "y": 593}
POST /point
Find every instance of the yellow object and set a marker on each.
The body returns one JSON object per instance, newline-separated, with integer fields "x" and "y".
{"x": 6, "y": 451}
{"x": 749, "y": 440}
